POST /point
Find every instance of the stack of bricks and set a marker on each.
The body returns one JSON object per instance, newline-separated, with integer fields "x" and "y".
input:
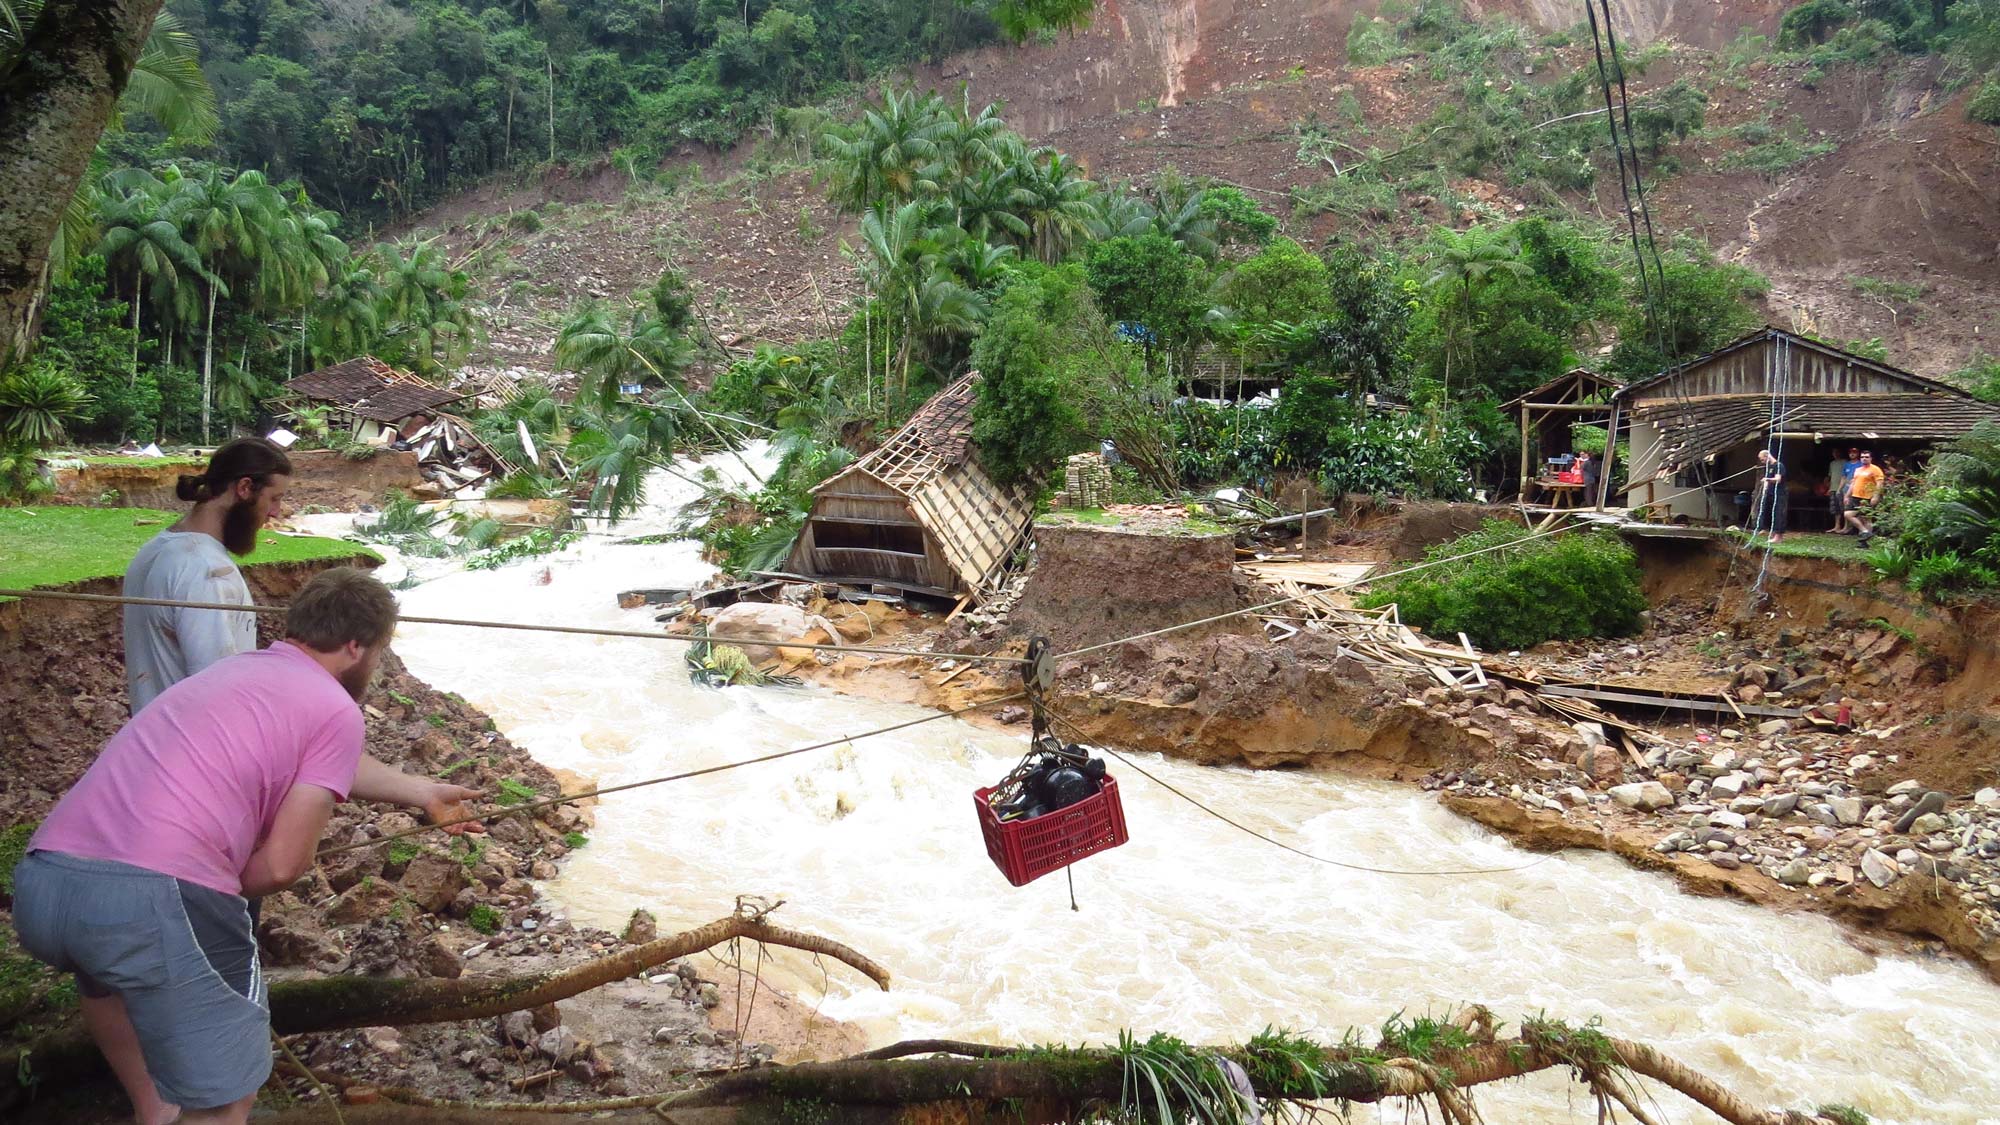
{"x": 1086, "y": 482}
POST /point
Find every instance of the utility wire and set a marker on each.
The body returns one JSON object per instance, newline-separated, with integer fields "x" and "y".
{"x": 508, "y": 810}
{"x": 1274, "y": 842}
{"x": 522, "y": 626}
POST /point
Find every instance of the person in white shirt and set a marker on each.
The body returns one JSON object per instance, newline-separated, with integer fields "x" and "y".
{"x": 233, "y": 498}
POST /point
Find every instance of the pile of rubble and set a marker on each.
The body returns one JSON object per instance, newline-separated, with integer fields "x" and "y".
{"x": 453, "y": 459}
{"x": 1784, "y": 797}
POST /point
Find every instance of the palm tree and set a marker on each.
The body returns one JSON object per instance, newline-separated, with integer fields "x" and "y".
{"x": 142, "y": 240}
{"x": 592, "y": 344}
{"x": 1055, "y": 201}
{"x": 36, "y": 401}
{"x": 1467, "y": 263}
{"x": 423, "y": 305}
{"x": 236, "y": 225}
{"x": 891, "y": 154}
{"x": 347, "y": 315}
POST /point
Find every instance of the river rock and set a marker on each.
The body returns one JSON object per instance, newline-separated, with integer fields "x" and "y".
{"x": 1771, "y": 728}
{"x": 363, "y": 902}
{"x": 1908, "y": 785}
{"x": 1725, "y": 860}
{"x": 1879, "y": 869}
{"x": 1795, "y": 873}
{"x": 433, "y": 880}
{"x": 1780, "y": 804}
{"x": 1932, "y": 802}
{"x": 1987, "y": 798}
{"x": 1846, "y": 809}
{"x": 1728, "y": 786}
{"x": 1723, "y": 818}
{"x": 709, "y": 995}
{"x": 1927, "y": 824}
{"x": 1645, "y": 796}
{"x": 560, "y": 1044}
{"x": 641, "y": 928}
{"x": 517, "y": 1029}
{"x": 1591, "y": 733}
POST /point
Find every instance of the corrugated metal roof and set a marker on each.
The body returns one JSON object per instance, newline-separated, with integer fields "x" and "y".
{"x": 1695, "y": 430}
{"x": 370, "y": 388}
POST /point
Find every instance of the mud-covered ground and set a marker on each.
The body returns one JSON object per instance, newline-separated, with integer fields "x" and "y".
{"x": 429, "y": 906}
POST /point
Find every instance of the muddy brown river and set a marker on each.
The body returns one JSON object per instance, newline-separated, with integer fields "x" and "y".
{"x": 1192, "y": 928}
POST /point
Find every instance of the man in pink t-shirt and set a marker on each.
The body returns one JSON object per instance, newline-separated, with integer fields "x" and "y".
{"x": 218, "y": 790}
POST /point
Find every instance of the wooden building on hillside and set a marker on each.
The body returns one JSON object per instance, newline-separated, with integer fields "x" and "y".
{"x": 1696, "y": 430}
{"x": 1549, "y": 415}
{"x": 919, "y": 514}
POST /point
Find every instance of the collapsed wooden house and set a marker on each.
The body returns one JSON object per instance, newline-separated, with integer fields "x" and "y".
{"x": 367, "y": 399}
{"x": 920, "y": 514}
{"x": 372, "y": 403}
{"x": 1695, "y": 430}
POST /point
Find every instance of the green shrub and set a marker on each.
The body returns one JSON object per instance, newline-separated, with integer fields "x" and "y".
{"x": 13, "y": 845}
{"x": 1520, "y": 592}
{"x": 484, "y": 919}
{"x": 1985, "y": 105}
{"x": 1939, "y": 576}
{"x": 514, "y": 792}
{"x": 1812, "y": 22}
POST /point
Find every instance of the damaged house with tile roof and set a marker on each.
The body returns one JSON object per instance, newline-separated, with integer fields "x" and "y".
{"x": 368, "y": 402}
{"x": 920, "y": 514}
{"x": 1696, "y": 429}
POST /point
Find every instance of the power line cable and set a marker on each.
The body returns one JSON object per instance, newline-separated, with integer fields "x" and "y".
{"x": 522, "y": 626}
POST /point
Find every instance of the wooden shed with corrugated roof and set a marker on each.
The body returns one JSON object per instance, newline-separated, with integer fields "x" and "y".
{"x": 1696, "y": 429}
{"x": 920, "y": 514}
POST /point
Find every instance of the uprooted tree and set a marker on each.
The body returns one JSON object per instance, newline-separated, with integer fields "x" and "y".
{"x": 1160, "y": 1079}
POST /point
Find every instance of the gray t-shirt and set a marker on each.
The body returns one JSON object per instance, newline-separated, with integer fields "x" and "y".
{"x": 163, "y": 645}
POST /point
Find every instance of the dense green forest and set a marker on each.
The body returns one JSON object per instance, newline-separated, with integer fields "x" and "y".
{"x": 380, "y": 108}
{"x": 218, "y": 246}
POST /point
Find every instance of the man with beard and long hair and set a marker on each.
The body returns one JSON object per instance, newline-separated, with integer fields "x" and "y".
{"x": 190, "y": 562}
{"x": 219, "y": 789}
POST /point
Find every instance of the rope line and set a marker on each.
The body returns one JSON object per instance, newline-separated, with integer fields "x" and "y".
{"x": 602, "y": 791}
{"x": 1277, "y": 843}
{"x": 521, "y": 626}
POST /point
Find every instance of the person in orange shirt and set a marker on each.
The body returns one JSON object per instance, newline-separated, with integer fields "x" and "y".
{"x": 1862, "y": 489}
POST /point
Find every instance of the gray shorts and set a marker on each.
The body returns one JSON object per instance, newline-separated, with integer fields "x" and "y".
{"x": 182, "y": 956}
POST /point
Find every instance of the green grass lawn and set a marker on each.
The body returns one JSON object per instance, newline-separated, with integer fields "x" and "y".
{"x": 1190, "y": 524}
{"x": 1813, "y": 545}
{"x": 115, "y": 459}
{"x": 55, "y": 546}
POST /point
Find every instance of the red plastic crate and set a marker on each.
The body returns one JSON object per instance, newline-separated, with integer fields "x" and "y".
{"x": 1026, "y": 850}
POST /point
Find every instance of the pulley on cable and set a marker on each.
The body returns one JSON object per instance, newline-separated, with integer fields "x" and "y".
{"x": 1058, "y": 805}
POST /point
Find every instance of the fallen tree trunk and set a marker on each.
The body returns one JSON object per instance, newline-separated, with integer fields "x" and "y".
{"x": 333, "y": 1003}
{"x": 1065, "y": 1082}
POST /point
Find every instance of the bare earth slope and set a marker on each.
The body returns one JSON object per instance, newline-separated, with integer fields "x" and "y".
{"x": 1214, "y": 88}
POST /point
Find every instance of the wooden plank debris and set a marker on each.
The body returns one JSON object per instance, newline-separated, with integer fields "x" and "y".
{"x": 1633, "y": 695}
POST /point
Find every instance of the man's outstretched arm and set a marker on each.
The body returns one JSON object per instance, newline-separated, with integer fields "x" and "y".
{"x": 439, "y": 800}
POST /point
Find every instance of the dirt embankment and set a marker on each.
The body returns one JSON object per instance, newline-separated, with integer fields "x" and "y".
{"x": 1093, "y": 584}
{"x": 429, "y": 906}
{"x": 323, "y": 479}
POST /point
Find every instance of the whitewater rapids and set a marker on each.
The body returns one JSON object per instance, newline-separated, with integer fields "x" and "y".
{"x": 1192, "y": 928}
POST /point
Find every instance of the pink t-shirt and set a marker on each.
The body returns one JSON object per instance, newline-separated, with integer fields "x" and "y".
{"x": 190, "y": 786}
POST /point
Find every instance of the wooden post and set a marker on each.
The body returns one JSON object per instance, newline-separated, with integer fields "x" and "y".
{"x": 1610, "y": 455}
{"x": 1524, "y": 453}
